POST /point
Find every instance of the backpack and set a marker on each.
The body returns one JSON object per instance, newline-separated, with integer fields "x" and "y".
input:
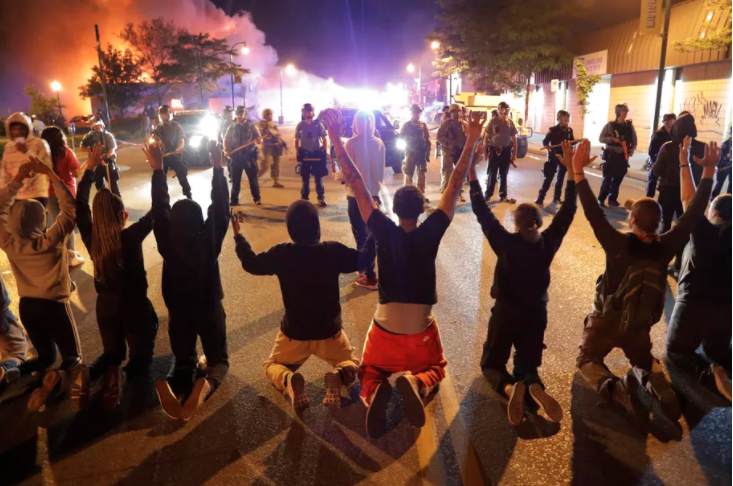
{"x": 639, "y": 300}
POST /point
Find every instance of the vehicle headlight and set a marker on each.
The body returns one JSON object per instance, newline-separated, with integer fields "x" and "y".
{"x": 401, "y": 144}
{"x": 195, "y": 141}
{"x": 209, "y": 126}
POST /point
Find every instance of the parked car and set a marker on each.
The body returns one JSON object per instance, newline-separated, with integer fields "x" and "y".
{"x": 82, "y": 123}
{"x": 386, "y": 130}
{"x": 199, "y": 126}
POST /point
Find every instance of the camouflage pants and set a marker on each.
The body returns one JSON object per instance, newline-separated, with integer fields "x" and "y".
{"x": 449, "y": 161}
{"x": 411, "y": 163}
{"x": 271, "y": 161}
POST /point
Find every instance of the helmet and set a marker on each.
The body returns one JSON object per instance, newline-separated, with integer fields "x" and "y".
{"x": 618, "y": 109}
{"x": 503, "y": 104}
{"x": 98, "y": 121}
{"x": 561, "y": 114}
{"x": 240, "y": 109}
{"x": 307, "y": 107}
{"x": 454, "y": 107}
{"x": 164, "y": 109}
{"x": 266, "y": 112}
{"x": 669, "y": 116}
{"x": 415, "y": 108}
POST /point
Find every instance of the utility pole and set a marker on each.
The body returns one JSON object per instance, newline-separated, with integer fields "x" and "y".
{"x": 101, "y": 74}
{"x": 662, "y": 63}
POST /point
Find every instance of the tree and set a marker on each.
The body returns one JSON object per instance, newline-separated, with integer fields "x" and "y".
{"x": 122, "y": 74}
{"x": 714, "y": 37}
{"x": 503, "y": 41}
{"x": 584, "y": 84}
{"x": 46, "y": 109}
{"x": 152, "y": 44}
{"x": 200, "y": 59}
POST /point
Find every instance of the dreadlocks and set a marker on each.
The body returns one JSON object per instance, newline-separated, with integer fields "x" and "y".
{"x": 108, "y": 211}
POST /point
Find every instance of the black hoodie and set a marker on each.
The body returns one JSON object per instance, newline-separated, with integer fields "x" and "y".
{"x": 667, "y": 166}
{"x": 189, "y": 245}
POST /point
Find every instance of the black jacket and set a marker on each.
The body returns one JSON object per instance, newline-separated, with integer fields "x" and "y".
{"x": 556, "y": 135}
{"x": 659, "y": 138}
{"x": 667, "y": 165}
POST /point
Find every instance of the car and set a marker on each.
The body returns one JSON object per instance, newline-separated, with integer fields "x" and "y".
{"x": 199, "y": 126}
{"x": 82, "y": 123}
{"x": 394, "y": 152}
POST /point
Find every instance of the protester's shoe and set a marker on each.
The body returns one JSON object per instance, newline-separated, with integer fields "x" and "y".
{"x": 114, "y": 387}
{"x": 613, "y": 204}
{"x": 658, "y": 386}
{"x": 233, "y": 203}
{"x": 508, "y": 200}
{"x": 364, "y": 282}
{"x": 75, "y": 259}
{"x": 557, "y": 201}
{"x": 80, "y": 387}
{"x": 322, "y": 203}
{"x": 258, "y": 202}
{"x": 548, "y": 404}
{"x": 539, "y": 201}
{"x": 295, "y": 390}
{"x": 277, "y": 185}
{"x": 409, "y": 387}
{"x": 602, "y": 204}
{"x": 515, "y": 406}
{"x": 332, "y": 381}
{"x": 722, "y": 382}
{"x": 200, "y": 392}
{"x": 625, "y": 395}
{"x": 376, "y": 416}
{"x": 40, "y": 395}
{"x": 168, "y": 400}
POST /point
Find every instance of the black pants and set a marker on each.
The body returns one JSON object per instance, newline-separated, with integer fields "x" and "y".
{"x": 522, "y": 327}
{"x": 720, "y": 177}
{"x": 184, "y": 326}
{"x": 549, "y": 169}
{"x": 50, "y": 326}
{"x": 671, "y": 202}
{"x": 244, "y": 163}
{"x": 699, "y": 323}
{"x": 360, "y": 232}
{"x": 176, "y": 163}
{"x": 124, "y": 321}
{"x": 651, "y": 186}
{"x": 499, "y": 160}
{"x": 614, "y": 171}
{"x": 316, "y": 169}
{"x": 100, "y": 175}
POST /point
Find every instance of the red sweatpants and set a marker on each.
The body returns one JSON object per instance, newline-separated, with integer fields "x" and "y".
{"x": 386, "y": 353}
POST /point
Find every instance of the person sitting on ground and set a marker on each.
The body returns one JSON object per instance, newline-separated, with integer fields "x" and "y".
{"x": 39, "y": 261}
{"x": 123, "y": 310}
{"x": 190, "y": 246}
{"x": 630, "y": 293}
{"x": 521, "y": 280}
{"x": 702, "y": 312}
{"x": 24, "y": 144}
{"x": 13, "y": 344}
{"x": 308, "y": 271}
{"x": 403, "y": 336}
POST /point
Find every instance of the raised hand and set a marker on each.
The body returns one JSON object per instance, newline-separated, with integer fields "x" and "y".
{"x": 581, "y": 157}
{"x": 331, "y": 118}
{"x": 216, "y": 155}
{"x": 475, "y": 125}
{"x": 711, "y": 157}
{"x": 95, "y": 157}
{"x": 154, "y": 152}
{"x": 25, "y": 171}
{"x": 237, "y": 217}
{"x": 568, "y": 151}
{"x": 40, "y": 167}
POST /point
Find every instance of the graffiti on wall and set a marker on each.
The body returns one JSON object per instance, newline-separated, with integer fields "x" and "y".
{"x": 703, "y": 109}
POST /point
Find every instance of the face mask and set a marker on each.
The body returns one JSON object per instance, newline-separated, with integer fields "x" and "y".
{"x": 19, "y": 140}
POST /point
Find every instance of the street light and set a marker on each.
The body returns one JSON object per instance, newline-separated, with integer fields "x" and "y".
{"x": 245, "y": 51}
{"x": 56, "y": 87}
{"x": 411, "y": 69}
{"x": 434, "y": 45}
{"x": 289, "y": 69}
{"x": 330, "y": 80}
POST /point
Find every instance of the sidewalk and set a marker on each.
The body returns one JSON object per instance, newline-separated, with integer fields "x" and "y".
{"x": 636, "y": 161}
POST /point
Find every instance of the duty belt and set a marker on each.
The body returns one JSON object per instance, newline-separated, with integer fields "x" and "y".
{"x": 499, "y": 150}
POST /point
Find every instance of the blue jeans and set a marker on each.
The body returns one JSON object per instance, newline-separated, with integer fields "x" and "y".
{"x": 360, "y": 231}
{"x": 651, "y": 186}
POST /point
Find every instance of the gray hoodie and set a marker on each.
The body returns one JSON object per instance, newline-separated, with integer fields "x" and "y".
{"x": 38, "y": 257}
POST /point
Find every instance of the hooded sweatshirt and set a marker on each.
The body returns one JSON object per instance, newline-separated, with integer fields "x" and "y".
{"x": 38, "y": 257}
{"x": 366, "y": 151}
{"x": 667, "y": 166}
{"x": 33, "y": 187}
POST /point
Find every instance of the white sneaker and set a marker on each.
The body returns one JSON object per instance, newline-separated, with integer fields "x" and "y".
{"x": 75, "y": 259}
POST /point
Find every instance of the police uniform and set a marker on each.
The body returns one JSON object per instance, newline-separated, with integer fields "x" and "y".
{"x": 171, "y": 134}
{"x": 500, "y": 138}
{"x": 616, "y": 163}
{"x": 272, "y": 148}
{"x": 555, "y": 136}
{"x": 417, "y": 153}
{"x": 100, "y": 174}
{"x": 245, "y": 160}
{"x": 452, "y": 138}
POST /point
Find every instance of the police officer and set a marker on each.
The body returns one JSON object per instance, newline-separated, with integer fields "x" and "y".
{"x": 452, "y": 138}
{"x": 500, "y": 147}
{"x": 171, "y": 135}
{"x": 659, "y": 138}
{"x": 616, "y": 134}
{"x": 226, "y": 122}
{"x": 98, "y": 135}
{"x": 310, "y": 143}
{"x": 417, "y": 153}
{"x": 272, "y": 147}
{"x": 242, "y": 134}
{"x": 557, "y": 134}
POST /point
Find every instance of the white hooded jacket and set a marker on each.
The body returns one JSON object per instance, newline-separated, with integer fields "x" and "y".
{"x": 33, "y": 187}
{"x": 366, "y": 151}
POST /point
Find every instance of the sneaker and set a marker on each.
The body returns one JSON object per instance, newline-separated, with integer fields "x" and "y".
{"x": 658, "y": 386}
{"x": 613, "y": 204}
{"x": 258, "y": 202}
{"x": 277, "y": 185}
{"x": 80, "y": 387}
{"x": 722, "y": 382}
{"x": 376, "y": 416}
{"x": 332, "y": 381}
{"x": 515, "y": 406}
{"x": 40, "y": 395}
{"x": 557, "y": 201}
{"x": 75, "y": 259}
{"x": 624, "y": 394}
{"x": 548, "y": 404}
{"x": 602, "y": 204}
{"x": 168, "y": 401}
{"x": 198, "y": 395}
{"x": 409, "y": 387}
{"x": 508, "y": 200}
{"x": 364, "y": 282}
{"x": 114, "y": 387}
{"x": 296, "y": 387}
{"x": 539, "y": 201}
{"x": 322, "y": 203}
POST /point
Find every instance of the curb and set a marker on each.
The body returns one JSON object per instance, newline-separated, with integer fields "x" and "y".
{"x": 638, "y": 175}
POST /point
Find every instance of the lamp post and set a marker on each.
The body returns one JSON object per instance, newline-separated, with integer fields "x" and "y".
{"x": 411, "y": 69}
{"x": 56, "y": 87}
{"x": 245, "y": 51}
{"x": 289, "y": 69}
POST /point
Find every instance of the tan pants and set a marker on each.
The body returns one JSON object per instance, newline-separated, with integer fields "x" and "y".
{"x": 448, "y": 163}
{"x": 409, "y": 165}
{"x": 289, "y": 354}
{"x": 269, "y": 161}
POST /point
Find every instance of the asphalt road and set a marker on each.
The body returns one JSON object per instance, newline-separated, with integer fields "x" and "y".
{"x": 248, "y": 434}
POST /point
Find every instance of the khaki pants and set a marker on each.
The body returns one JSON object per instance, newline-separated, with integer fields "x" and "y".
{"x": 448, "y": 163}
{"x": 289, "y": 354}
{"x": 409, "y": 165}
{"x": 271, "y": 161}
